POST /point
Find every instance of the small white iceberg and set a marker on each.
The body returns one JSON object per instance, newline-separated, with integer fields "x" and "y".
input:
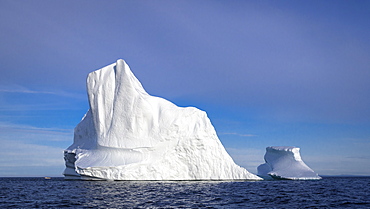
{"x": 284, "y": 162}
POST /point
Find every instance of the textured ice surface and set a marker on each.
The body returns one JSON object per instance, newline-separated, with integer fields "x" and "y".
{"x": 284, "y": 162}
{"x": 128, "y": 134}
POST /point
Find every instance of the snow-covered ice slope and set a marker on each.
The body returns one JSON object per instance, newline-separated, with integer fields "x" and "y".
{"x": 128, "y": 134}
{"x": 284, "y": 162}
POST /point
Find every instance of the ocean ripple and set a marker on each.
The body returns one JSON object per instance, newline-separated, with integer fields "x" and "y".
{"x": 330, "y": 192}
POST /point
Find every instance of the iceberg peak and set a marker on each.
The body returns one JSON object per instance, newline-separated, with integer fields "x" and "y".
{"x": 288, "y": 149}
{"x": 128, "y": 134}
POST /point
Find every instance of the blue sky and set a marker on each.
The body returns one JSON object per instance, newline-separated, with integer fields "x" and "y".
{"x": 292, "y": 73}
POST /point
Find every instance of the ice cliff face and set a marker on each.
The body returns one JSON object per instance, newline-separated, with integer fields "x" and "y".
{"x": 128, "y": 134}
{"x": 285, "y": 163}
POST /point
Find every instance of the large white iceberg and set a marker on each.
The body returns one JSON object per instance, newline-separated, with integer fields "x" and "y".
{"x": 128, "y": 134}
{"x": 283, "y": 162}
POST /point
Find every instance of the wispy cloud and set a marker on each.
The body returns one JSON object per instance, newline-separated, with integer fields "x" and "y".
{"x": 238, "y": 134}
{"x": 36, "y": 107}
{"x": 10, "y": 131}
{"x": 29, "y": 150}
{"x": 18, "y": 153}
{"x": 24, "y": 90}
{"x": 362, "y": 142}
{"x": 19, "y": 158}
{"x": 363, "y": 157}
{"x": 31, "y": 128}
{"x": 338, "y": 164}
{"x": 20, "y": 98}
{"x": 325, "y": 164}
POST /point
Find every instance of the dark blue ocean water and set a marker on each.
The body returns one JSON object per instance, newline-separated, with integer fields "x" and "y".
{"x": 330, "y": 192}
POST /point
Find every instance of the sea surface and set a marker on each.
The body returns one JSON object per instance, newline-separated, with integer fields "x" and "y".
{"x": 330, "y": 192}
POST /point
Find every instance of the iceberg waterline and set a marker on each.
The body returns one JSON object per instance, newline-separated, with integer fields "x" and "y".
{"x": 128, "y": 134}
{"x": 285, "y": 162}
